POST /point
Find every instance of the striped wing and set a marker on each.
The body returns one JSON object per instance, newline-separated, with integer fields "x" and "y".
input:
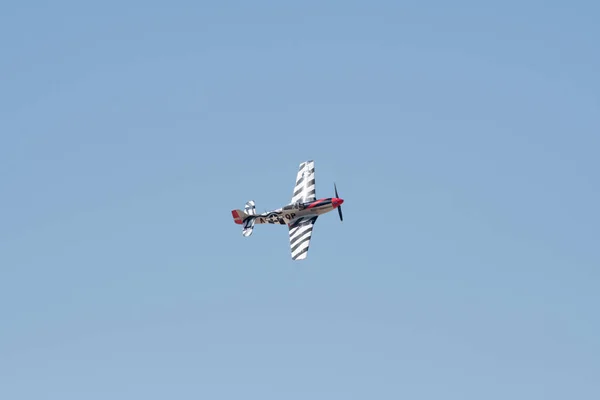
{"x": 304, "y": 191}
{"x": 300, "y": 233}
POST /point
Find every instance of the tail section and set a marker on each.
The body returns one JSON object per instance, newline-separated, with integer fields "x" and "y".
{"x": 245, "y": 218}
{"x": 239, "y": 216}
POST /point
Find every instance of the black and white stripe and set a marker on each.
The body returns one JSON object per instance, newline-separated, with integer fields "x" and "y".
{"x": 300, "y": 233}
{"x": 304, "y": 191}
{"x": 250, "y": 208}
{"x": 248, "y": 226}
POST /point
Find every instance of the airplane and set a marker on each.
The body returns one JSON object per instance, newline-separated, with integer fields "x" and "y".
{"x": 299, "y": 215}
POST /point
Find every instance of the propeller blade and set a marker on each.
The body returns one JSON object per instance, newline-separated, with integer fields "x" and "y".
{"x": 339, "y": 207}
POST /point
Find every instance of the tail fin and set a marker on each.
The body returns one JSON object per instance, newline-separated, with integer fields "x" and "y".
{"x": 245, "y": 218}
{"x": 239, "y": 216}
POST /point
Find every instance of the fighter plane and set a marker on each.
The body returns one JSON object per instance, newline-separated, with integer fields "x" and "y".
{"x": 299, "y": 215}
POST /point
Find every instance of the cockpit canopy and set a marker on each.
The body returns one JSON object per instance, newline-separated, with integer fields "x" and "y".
{"x": 295, "y": 206}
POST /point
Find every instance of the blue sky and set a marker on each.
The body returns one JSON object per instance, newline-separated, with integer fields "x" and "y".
{"x": 463, "y": 137}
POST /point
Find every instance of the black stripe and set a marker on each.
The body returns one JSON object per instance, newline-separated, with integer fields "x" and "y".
{"x": 300, "y": 243}
{"x": 311, "y": 221}
{"x": 297, "y": 222}
{"x": 302, "y": 252}
{"x": 295, "y": 229}
{"x": 299, "y": 182}
{"x": 302, "y": 221}
{"x": 294, "y": 240}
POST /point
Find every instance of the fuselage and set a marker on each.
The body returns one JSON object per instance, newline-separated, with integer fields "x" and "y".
{"x": 286, "y": 214}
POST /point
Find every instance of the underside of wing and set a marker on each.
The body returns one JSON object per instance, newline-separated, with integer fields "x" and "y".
{"x": 300, "y": 231}
{"x": 304, "y": 191}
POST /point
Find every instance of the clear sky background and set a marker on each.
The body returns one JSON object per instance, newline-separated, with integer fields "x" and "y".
{"x": 463, "y": 137}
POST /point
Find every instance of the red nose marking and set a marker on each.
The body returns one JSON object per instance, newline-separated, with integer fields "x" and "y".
{"x": 337, "y": 202}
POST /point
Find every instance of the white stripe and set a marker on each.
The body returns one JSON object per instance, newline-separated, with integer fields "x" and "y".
{"x": 299, "y": 249}
{"x": 303, "y": 235}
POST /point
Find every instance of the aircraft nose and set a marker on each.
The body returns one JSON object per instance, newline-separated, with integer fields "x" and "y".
{"x": 337, "y": 202}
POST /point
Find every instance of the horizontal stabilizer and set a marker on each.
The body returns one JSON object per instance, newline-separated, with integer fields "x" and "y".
{"x": 250, "y": 208}
{"x": 248, "y": 227}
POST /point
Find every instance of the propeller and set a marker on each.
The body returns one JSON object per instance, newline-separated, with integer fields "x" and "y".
{"x": 339, "y": 208}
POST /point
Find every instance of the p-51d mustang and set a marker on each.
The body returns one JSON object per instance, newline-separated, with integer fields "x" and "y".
{"x": 300, "y": 215}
